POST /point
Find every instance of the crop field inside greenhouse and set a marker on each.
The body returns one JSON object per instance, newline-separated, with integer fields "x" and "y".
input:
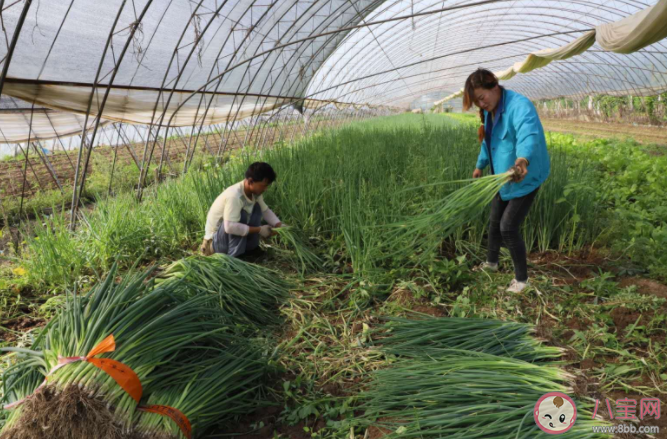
{"x": 333, "y": 219}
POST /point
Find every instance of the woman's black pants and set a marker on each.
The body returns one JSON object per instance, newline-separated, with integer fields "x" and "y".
{"x": 505, "y": 227}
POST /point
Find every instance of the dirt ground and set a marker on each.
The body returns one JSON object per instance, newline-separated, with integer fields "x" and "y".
{"x": 591, "y": 130}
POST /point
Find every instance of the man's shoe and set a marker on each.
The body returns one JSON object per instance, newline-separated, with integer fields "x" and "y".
{"x": 254, "y": 255}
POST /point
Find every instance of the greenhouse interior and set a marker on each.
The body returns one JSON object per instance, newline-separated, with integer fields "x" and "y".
{"x": 333, "y": 219}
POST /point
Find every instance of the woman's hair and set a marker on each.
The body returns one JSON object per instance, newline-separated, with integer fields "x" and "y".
{"x": 480, "y": 78}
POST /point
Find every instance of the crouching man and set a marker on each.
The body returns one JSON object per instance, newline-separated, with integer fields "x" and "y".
{"x": 233, "y": 223}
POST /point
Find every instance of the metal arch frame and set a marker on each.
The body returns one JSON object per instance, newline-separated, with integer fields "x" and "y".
{"x": 503, "y": 8}
{"x": 458, "y": 52}
{"x": 232, "y": 57}
{"x": 15, "y": 39}
{"x": 299, "y": 41}
{"x": 296, "y": 52}
{"x": 557, "y": 66}
{"x": 249, "y": 8}
{"x": 524, "y": 78}
{"x": 235, "y": 53}
{"x": 436, "y": 88}
{"x": 389, "y": 71}
{"x": 427, "y": 60}
{"x": 628, "y": 67}
{"x": 144, "y": 163}
{"x": 366, "y": 63}
{"x": 98, "y": 118}
{"x": 194, "y": 44}
{"x": 215, "y": 64}
{"x": 285, "y": 63}
{"x": 252, "y": 80}
{"x": 397, "y": 37}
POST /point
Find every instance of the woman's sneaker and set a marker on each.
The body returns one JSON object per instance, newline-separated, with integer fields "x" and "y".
{"x": 489, "y": 266}
{"x": 516, "y": 286}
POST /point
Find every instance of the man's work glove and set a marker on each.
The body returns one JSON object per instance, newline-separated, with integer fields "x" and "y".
{"x": 206, "y": 247}
{"x": 277, "y": 226}
{"x": 265, "y": 231}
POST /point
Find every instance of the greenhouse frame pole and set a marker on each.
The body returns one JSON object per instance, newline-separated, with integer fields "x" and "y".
{"x": 75, "y": 194}
{"x": 134, "y": 26}
{"x": 15, "y": 39}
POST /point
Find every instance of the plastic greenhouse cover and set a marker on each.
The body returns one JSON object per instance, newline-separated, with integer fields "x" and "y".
{"x": 202, "y": 62}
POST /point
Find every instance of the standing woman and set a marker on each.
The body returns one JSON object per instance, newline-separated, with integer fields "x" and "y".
{"x": 512, "y": 137}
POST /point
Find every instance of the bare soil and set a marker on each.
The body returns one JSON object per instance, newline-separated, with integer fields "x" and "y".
{"x": 648, "y": 287}
{"x": 624, "y": 317}
{"x": 21, "y": 324}
{"x": 593, "y": 130}
{"x": 649, "y": 421}
{"x": 264, "y": 424}
{"x": 39, "y": 177}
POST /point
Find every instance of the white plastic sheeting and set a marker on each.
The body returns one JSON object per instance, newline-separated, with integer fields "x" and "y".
{"x": 628, "y": 35}
{"x": 201, "y": 62}
{"x": 396, "y": 63}
{"x": 187, "y": 62}
{"x": 543, "y": 57}
{"x": 636, "y": 31}
{"x": 139, "y": 106}
{"x": 21, "y": 126}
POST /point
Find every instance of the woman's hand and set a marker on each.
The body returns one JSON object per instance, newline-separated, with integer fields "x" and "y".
{"x": 520, "y": 169}
{"x": 477, "y": 173}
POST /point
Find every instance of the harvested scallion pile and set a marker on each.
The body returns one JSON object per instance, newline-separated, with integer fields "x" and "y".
{"x": 465, "y": 378}
{"x": 429, "y": 336}
{"x": 250, "y": 293}
{"x": 210, "y": 386}
{"x": 465, "y": 394}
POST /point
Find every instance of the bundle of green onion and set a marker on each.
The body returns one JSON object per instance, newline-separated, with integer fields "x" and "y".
{"x": 420, "y": 235}
{"x": 121, "y": 310}
{"x": 308, "y": 260}
{"x": 250, "y": 293}
{"x": 20, "y": 378}
{"x": 465, "y": 394}
{"x": 209, "y": 388}
{"x": 156, "y": 329}
{"x": 465, "y": 378}
{"x": 429, "y": 336}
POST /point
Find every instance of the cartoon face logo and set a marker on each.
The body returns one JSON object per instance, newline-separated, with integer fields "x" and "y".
{"x": 555, "y": 413}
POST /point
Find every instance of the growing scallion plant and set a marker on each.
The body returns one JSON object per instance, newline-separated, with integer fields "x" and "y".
{"x": 308, "y": 260}
{"x": 420, "y": 235}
